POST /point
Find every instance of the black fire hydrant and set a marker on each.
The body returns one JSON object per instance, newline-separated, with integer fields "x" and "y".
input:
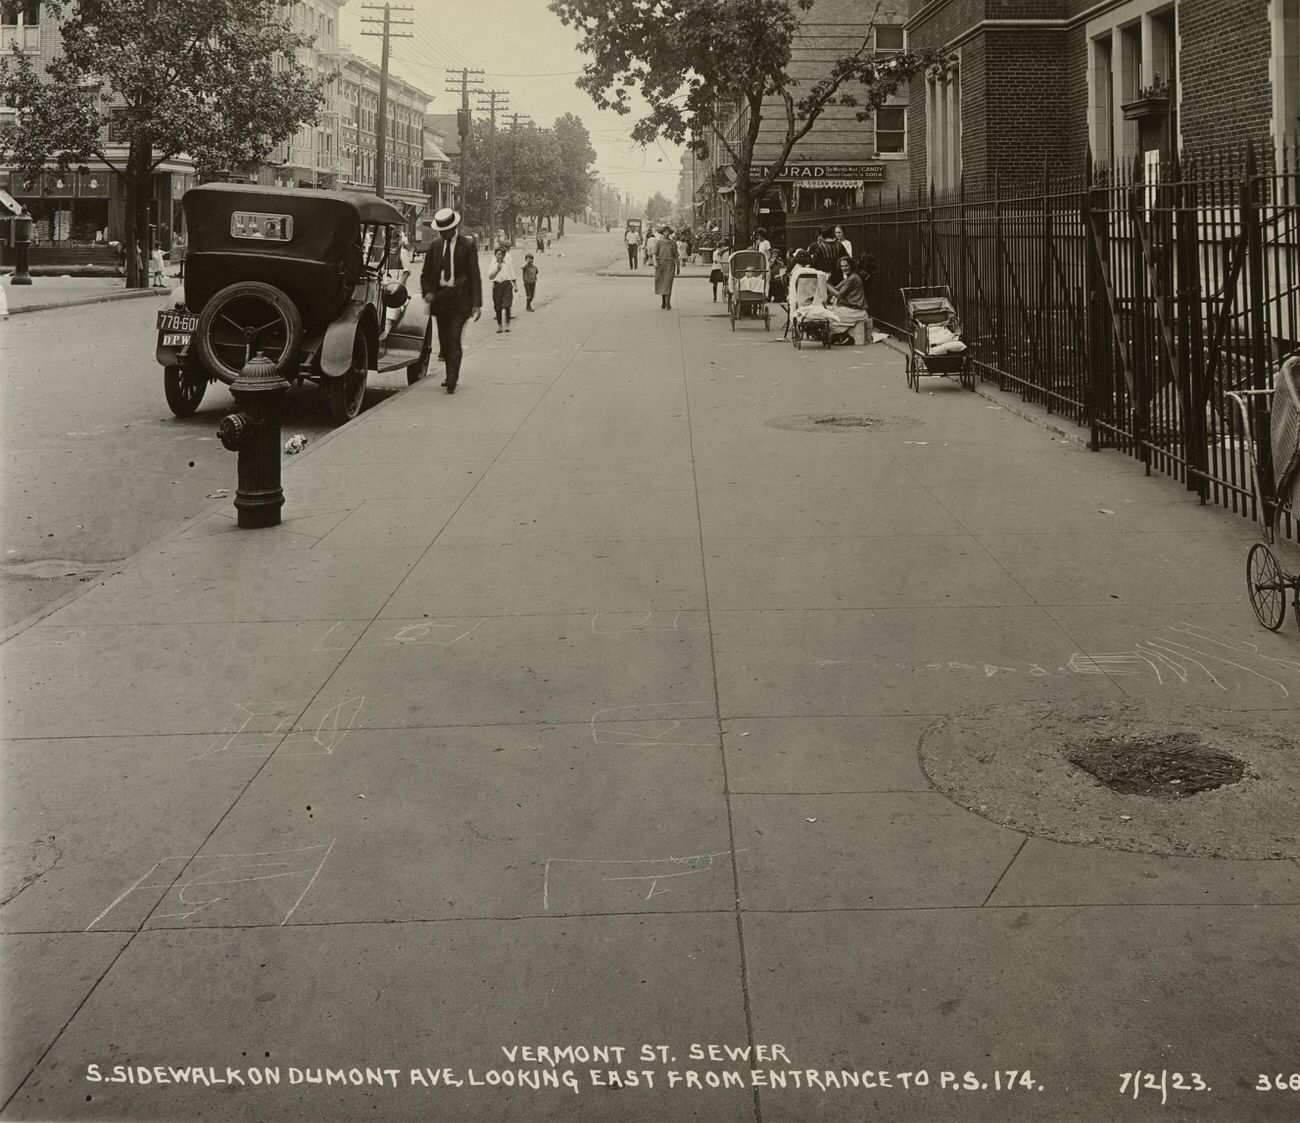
{"x": 254, "y": 433}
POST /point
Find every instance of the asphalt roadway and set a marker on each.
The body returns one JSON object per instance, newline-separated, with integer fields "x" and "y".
{"x": 675, "y": 722}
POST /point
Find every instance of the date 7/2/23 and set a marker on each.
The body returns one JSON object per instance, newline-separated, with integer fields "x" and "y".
{"x": 1160, "y": 1082}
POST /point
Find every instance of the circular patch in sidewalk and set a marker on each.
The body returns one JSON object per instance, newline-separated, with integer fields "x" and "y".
{"x": 841, "y": 423}
{"x": 1127, "y": 775}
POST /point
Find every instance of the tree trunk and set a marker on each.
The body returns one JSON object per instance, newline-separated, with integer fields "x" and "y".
{"x": 560, "y": 232}
{"x": 138, "y": 181}
{"x": 744, "y": 216}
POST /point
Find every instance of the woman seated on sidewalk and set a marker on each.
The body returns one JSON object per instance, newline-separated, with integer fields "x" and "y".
{"x": 850, "y": 305}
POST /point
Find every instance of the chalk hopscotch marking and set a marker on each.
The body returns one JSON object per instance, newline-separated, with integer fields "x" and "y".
{"x": 612, "y": 623}
{"x": 659, "y": 869}
{"x": 210, "y": 872}
{"x": 237, "y": 740}
{"x": 426, "y": 632}
{"x": 649, "y": 725}
{"x": 1181, "y": 653}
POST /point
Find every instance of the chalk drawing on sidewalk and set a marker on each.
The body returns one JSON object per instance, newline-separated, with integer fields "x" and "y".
{"x": 637, "y": 873}
{"x": 651, "y": 724}
{"x": 254, "y": 729}
{"x": 1179, "y": 654}
{"x": 69, "y": 637}
{"x": 429, "y": 632}
{"x": 612, "y": 623}
{"x": 257, "y": 888}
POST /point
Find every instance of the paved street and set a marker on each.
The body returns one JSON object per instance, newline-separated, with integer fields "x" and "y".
{"x": 667, "y": 703}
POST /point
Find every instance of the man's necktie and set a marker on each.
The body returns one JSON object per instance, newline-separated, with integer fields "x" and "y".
{"x": 446, "y": 262}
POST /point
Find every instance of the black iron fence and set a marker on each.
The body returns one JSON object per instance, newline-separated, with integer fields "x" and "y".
{"x": 1130, "y": 302}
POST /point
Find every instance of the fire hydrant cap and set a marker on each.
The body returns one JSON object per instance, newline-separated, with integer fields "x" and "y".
{"x": 259, "y": 374}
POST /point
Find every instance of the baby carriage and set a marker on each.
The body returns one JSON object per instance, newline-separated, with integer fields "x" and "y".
{"x": 809, "y": 316}
{"x": 747, "y": 273}
{"x": 1266, "y": 581}
{"x": 934, "y": 343}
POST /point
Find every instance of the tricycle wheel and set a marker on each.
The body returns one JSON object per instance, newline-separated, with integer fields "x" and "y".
{"x": 1266, "y": 586}
{"x": 183, "y": 393}
{"x": 345, "y": 392}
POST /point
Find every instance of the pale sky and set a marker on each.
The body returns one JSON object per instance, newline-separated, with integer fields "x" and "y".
{"x": 526, "y": 50}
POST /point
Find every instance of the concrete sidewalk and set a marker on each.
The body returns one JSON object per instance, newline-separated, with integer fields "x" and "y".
{"x": 66, "y": 292}
{"x": 634, "y": 699}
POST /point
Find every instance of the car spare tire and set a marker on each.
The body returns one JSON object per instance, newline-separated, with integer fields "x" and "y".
{"x": 243, "y": 320}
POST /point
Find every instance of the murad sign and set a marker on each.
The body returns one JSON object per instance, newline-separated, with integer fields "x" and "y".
{"x": 811, "y": 174}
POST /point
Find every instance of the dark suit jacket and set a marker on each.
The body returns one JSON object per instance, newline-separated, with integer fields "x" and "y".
{"x": 468, "y": 288}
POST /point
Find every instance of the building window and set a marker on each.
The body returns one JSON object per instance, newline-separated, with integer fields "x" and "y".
{"x": 943, "y": 129}
{"x": 891, "y": 130}
{"x": 1133, "y": 54}
{"x": 119, "y": 126}
{"x": 890, "y": 37}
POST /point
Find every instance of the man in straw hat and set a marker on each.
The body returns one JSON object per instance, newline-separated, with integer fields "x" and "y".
{"x": 452, "y": 288}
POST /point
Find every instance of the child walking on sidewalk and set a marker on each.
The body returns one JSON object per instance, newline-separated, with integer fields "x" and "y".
{"x": 504, "y": 283}
{"x": 530, "y": 281}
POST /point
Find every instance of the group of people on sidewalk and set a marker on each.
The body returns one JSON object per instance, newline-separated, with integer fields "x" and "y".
{"x": 452, "y": 287}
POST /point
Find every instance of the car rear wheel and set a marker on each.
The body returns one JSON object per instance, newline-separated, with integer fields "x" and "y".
{"x": 243, "y": 320}
{"x": 346, "y": 391}
{"x": 183, "y": 392}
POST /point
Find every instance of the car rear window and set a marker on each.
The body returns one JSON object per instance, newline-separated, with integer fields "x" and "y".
{"x": 256, "y": 224}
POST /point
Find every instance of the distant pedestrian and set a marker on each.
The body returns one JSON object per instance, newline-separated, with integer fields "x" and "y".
{"x": 665, "y": 268}
{"x": 843, "y": 241}
{"x": 718, "y": 274}
{"x": 541, "y": 241}
{"x": 504, "y": 282}
{"x": 451, "y": 288}
{"x": 761, "y": 242}
{"x": 681, "y": 250}
{"x": 633, "y": 240}
{"x": 157, "y": 275}
{"x": 651, "y": 243}
{"x": 824, "y": 254}
{"x": 530, "y": 281}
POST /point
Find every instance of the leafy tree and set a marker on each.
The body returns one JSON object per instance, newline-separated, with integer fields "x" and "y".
{"x": 215, "y": 79}
{"x": 576, "y": 157}
{"x": 704, "y": 65}
{"x": 658, "y": 207}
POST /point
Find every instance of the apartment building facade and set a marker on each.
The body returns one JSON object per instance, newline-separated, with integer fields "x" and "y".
{"x": 1040, "y": 83}
{"x": 842, "y": 162}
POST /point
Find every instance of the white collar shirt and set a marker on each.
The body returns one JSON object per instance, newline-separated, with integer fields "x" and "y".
{"x": 447, "y": 274}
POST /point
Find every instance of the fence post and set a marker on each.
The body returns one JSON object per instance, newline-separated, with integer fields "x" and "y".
{"x": 999, "y": 282}
{"x": 1091, "y": 302}
{"x": 1140, "y": 333}
{"x": 931, "y": 238}
{"x": 1045, "y": 333}
{"x": 1188, "y": 302}
{"x": 1252, "y": 221}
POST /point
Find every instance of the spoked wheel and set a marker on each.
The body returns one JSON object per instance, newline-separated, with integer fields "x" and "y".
{"x": 1266, "y": 586}
{"x": 796, "y": 335}
{"x": 345, "y": 392}
{"x": 243, "y": 320}
{"x": 183, "y": 392}
{"x": 767, "y": 319}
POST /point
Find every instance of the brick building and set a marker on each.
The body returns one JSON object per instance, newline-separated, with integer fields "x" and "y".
{"x": 842, "y": 162}
{"x": 1038, "y": 81}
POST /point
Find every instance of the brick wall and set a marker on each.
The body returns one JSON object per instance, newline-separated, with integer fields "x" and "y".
{"x": 1223, "y": 72}
{"x": 1026, "y": 107}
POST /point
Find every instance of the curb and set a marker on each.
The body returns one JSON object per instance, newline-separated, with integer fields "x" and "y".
{"x": 106, "y": 298}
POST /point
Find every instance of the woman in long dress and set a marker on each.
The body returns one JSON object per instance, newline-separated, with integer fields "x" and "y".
{"x": 665, "y": 268}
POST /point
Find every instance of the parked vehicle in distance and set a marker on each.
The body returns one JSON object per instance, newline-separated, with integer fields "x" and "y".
{"x": 299, "y": 276}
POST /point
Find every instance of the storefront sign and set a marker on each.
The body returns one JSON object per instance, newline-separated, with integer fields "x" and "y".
{"x": 821, "y": 175}
{"x": 58, "y": 184}
{"x": 92, "y": 185}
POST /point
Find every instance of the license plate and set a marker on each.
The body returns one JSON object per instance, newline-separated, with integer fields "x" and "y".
{"x": 178, "y": 321}
{"x": 176, "y": 339}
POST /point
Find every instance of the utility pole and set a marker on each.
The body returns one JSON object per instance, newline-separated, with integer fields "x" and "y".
{"x": 381, "y": 129}
{"x": 496, "y": 100}
{"x": 468, "y": 77}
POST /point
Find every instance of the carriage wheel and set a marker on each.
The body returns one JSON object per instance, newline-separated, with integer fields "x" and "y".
{"x": 734, "y": 310}
{"x": 767, "y": 319}
{"x": 1266, "y": 586}
{"x": 796, "y": 336}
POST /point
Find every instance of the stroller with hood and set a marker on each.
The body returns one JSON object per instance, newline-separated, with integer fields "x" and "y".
{"x": 747, "y": 287}
{"x": 934, "y": 343}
